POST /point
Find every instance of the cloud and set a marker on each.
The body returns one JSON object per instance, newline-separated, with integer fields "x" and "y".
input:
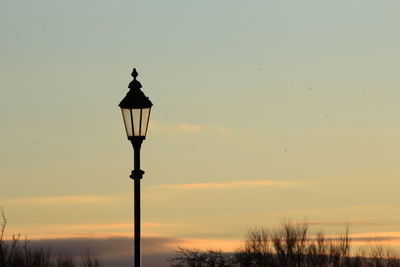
{"x": 127, "y": 225}
{"x": 353, "y": 223}
{"x": 375, "y": 239}
{"x": 391, "y": 238}
{"x": 233, "y": 184}
{"x": 225, "y": 132}
{"x": 94, "y": 231}
{"x": 62, "y": 199}
{"x": 115, "y": 251}
{"x": 364, "y": 239}
{"x": 174, "y": 128}
{"x": 361, "y": 209}
{"x": 189, "y": 127}
{"x": 118, "y": 251}
{"x": 183, "y": 127}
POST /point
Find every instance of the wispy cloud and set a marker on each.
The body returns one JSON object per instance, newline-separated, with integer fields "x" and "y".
{"x": 233, "y": 184}
{"x": 223, "y": 131}
{"x": 62, "y": 199}
{"x": 90, "y": 230}
{"x": 189, "y": 127}
{"x": 175, "y": 128}
{"x": 354, "y": 223}
{"x": 181, "y": 128}
{"x": 361, "y": 209}
{"x": 391, "y": 237}
{"x": 152, "y": 244}
{"x": 115, "y": 226}
{"x": 115, "y": 251}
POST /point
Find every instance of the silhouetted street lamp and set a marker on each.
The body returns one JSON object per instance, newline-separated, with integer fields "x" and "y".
{"x": 136, "y": 113}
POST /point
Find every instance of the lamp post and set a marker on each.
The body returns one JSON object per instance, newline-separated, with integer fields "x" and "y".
{"x": 135, "y": 109}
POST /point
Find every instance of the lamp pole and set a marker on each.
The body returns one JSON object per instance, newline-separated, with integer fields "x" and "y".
{"x": 136, "y": 107}
{"x": 137, "y": 175}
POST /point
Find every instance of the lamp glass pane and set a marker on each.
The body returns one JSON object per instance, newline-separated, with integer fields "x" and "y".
{"x": 126, "y": 114}
{"x": 145, "y": 121}
{"x": 136, "y": 121}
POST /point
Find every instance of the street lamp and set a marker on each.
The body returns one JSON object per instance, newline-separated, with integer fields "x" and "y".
{"x": 136, "y": 113}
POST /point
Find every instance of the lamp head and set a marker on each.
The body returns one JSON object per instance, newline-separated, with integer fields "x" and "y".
{"x": 135, "y": 107}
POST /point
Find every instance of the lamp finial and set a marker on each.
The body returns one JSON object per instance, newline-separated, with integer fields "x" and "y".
{"x": 134, "y": 73}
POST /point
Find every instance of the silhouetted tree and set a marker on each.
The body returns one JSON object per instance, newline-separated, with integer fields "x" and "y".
{"x": 290, "y": 246}
{"x": 17, "y": 253}
{"x": 196, "y": 258}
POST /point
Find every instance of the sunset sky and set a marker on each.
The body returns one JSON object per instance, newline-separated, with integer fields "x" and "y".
{"x": 263, "y": 110}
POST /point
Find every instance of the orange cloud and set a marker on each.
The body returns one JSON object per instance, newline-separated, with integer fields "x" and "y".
{"x": 205, "y": 244}
{"x": 63, "y": 199}
{"x": 189, "y": 127}
{"x": 180, "y": 128}
{"x": 232, "y": 184}
{"x": 172, "y": 244}
{"x": 354, "y": 223}
{"x": 390, "y": 237}
{"x": 57, "y": 231}
{"x": 174, "y": 128}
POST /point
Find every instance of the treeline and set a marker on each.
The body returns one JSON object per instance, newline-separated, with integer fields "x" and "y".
{"x": 19, "y": 253}
{"x": 290, "y": 246}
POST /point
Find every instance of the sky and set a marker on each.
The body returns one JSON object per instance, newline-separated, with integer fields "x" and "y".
{"x": 263, "y": 110}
